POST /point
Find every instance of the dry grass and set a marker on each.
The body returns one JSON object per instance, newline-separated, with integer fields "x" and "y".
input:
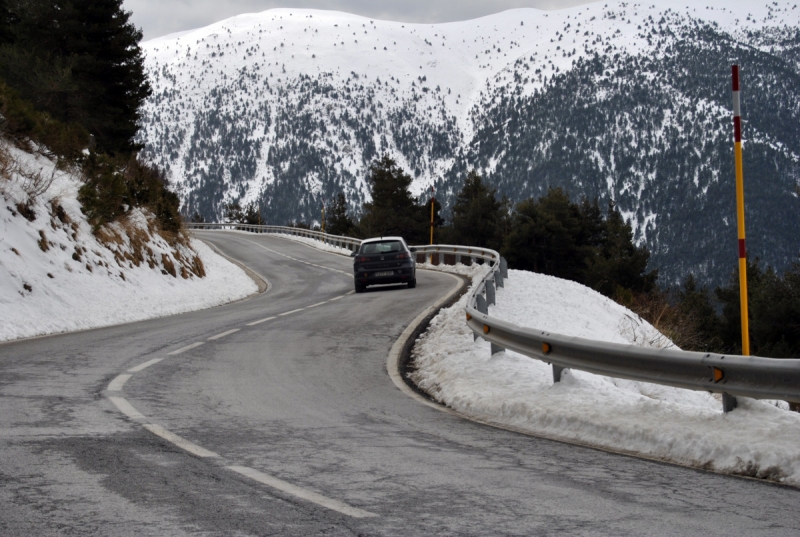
{"x": 6, "y": 163}
{"x": 42, "y": 242}
{"x": 131, "y": 246}
{"x": 680, "y": 328}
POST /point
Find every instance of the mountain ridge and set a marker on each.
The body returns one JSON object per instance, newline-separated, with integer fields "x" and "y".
{"x": 231, "y": 119}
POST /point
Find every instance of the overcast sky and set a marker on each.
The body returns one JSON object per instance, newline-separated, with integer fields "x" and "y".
{"x": 161, "y": 17}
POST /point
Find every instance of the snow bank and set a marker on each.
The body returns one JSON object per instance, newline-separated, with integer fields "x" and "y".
{"x": 57, "y": 276}
{"x": 758, "y": 439}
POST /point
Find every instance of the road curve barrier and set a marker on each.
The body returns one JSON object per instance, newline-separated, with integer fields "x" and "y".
{"x": 333, "y": 240}
{"x": 728, "y": 374}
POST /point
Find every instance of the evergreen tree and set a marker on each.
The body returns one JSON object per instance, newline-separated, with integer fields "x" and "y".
{"x": 337, "y": 221}
{"x": 696, "y": 307}
{"x": 6, "y": 21}
{"x": 546, "y": 237}
{"x": 392, "y": 211}
{"x": 477, "y": 215}
{"x": 80, "y": 61}
{"x": 774, "y": 312}
{"x": 618, "y": 264}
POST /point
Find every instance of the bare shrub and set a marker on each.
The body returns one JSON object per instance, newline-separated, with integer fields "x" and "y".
{"x": 42, "y": 242}
{"x": 655, "y": 308}
{"x": 36, "y": 183}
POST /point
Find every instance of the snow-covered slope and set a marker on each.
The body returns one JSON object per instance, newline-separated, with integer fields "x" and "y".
{"x": 56, "y": 275}
{"x": 758, "y": 439}
{"x": 625, "y": 102}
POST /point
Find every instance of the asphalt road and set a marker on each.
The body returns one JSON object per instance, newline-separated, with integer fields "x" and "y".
{"x": 292, "y": 427}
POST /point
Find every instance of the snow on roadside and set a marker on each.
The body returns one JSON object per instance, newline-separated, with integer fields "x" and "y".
{"x": 686, "y": 427}
{"x": 57, "y": 276}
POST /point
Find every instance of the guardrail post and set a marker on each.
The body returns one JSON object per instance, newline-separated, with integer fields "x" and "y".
{"x": 458, "y": 259}
{"x": 489, "y": 286}
{"x": 728, "y": 403}
{"x": 504, "y": 267}
{"x": 496, "y": 349}
{"x": 498, "y": 278}
{"x": 480, "y": 305}
{"x": 557, "y": 369}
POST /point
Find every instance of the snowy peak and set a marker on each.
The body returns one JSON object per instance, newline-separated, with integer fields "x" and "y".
{"x": 288, "y": 107}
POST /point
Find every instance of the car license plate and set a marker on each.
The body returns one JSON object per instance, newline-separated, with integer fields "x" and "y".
{"x": 386, "y": 273}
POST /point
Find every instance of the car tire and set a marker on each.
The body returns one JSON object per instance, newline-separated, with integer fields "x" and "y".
{"x": 412, "y": 284}
{"x": 359, "y": 288}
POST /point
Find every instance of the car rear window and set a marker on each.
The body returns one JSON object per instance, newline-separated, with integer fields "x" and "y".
{"x": 382, "y": 247}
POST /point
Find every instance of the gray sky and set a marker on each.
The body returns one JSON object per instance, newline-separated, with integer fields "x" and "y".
{"x": 161, "y": 17}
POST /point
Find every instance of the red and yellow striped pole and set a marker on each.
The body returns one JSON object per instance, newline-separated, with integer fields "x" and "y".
{"x": 737, "y": 136}
{"x": 433, "y": 201}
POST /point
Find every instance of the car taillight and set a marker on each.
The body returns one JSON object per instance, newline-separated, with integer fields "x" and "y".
{"x": 362, "y": 259}
{"x": 401, "y": 256}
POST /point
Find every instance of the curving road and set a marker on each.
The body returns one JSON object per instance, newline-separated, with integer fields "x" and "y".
{"x": 275, "y": 416}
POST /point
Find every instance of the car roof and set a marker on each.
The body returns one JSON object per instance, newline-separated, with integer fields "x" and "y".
{"x": 381, "y": 239}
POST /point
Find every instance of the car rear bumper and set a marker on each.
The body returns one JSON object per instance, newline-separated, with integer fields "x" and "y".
{"x": 399, "y": 275}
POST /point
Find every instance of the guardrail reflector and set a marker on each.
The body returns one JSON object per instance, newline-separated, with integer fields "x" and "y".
{"x": 718, "y": 374}
{"x": 469, "y": 317}
{"x": 486, "y": 329}
{"x": 545, "y": 348}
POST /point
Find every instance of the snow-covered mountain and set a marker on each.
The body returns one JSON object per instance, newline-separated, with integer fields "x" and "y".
{"x": 616, "y": 100}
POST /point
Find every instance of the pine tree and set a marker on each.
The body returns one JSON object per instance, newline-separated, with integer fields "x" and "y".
{"x": 619, "y": 264}
{"x": 79, "y": 61}
{"x": 337, "y": 221}
{"x": 392, "y": 211}
{"x": 477, "y": 215}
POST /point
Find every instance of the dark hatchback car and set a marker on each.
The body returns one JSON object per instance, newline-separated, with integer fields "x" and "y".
{"x": 384, "y": 260}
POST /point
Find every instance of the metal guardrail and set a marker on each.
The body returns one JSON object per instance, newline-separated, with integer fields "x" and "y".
{"x": 730, "y": 375}
{"x": 333, "y": 240}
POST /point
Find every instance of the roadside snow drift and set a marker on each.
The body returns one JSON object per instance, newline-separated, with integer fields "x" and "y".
{"x": 758, "y": 439}
{"x": 57, "y": 276}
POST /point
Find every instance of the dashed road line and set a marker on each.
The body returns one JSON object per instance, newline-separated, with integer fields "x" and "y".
{"x": 128, "y": 410}
{"x": 262, "y": 321}
{"x": 186, "y": 348}
{"x": 218, "y": 336}
{"x": 299, "y": 492}
{"x": 144, "y": 366}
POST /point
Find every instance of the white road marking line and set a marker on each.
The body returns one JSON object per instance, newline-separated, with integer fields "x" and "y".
{"x": 300, "y": 260}
{"x": 229, "y": 332}
{"x": 182, "y": 443}
{"x": 350, "y": 293}
{"x": 315, "y": 305}
{"x": 186, "y": 348}
{"x": 145, "y": 365}
{"x": 337, "y": 298}
{"x": 299, "y": 492}
{"x": 118, "y": 382}
{"x": 126, "y": 408}
{"x": 290, "y": 312}
{"x": 261, "y": 321}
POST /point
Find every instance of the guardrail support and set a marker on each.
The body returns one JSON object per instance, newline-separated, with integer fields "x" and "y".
{"x": 728, "y": 403}
{"x": 490, "y": 297}
{"x": 480, "y": 305}
{"x": 504, "y": 267}
{"x": 498, "y": 279}
{"x": 496, "y": 349}
{"x": 557, "y": 369}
